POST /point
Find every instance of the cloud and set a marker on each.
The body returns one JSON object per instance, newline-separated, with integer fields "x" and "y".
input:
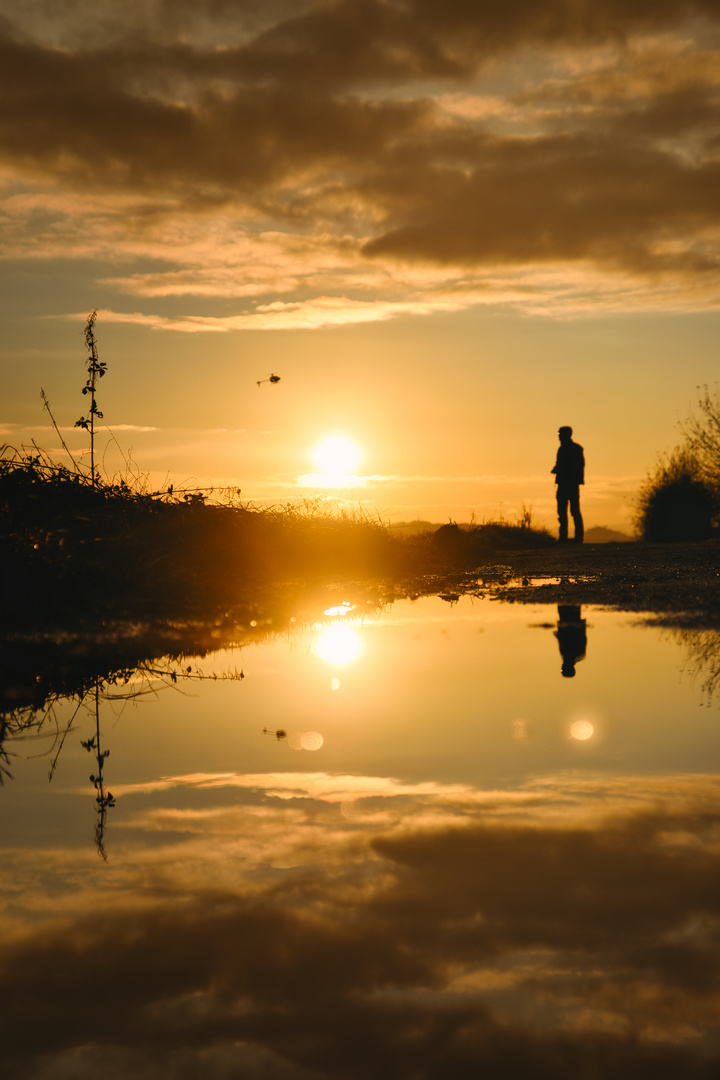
{"x": 574, "y": 921}
{"x": 646, "y": 70}
{"x": 308, "y": 314}
{"x": 344, "y": 157}
{"x": 72, "y": 428}
{"x": 560, "y": 198}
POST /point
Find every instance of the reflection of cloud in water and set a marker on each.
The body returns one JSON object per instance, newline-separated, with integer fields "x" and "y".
{"x": 338, "y": 644}
{"x": 351, "y": 809}
{"x": 466, "y": 932}
{"x": 318, "y": 785}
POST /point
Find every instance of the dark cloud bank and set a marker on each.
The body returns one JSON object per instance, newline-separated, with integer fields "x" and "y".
{"x": 327, "y": 115}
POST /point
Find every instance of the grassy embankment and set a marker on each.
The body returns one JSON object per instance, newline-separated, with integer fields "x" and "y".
{"x": 73, "y": 544}
{"x": 69, "y": 546}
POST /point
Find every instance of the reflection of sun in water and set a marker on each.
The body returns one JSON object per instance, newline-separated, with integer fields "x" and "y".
{"x": 338, "y": 644}
{"x": 337, "y": 456}
{"x": 582, "y": 730}
{"x": 340, "y": 609}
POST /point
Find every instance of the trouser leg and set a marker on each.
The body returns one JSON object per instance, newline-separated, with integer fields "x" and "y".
{"x": 562, "y": 510}
{"x": 576, "y": 515}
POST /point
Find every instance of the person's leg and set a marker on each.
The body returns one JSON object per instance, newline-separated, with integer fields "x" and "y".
{"x": 576, "y": 515}
{"x": 562, "y": 509}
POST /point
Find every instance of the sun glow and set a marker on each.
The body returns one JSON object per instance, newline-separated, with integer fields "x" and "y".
{"x": 338, "y": 645}
{"x": 337, "y": 456}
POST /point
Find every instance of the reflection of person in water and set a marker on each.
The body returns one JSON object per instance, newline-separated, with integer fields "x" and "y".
{"x": 572, "y": 637}
{"x": 569, "y": 475}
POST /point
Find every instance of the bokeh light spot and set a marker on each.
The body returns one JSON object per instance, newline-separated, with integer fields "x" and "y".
{"x": 520, "y": 731}
{"x": 581, "y": 730}
{"x": 305, "y": 740}
{"x": 311, "y": 740}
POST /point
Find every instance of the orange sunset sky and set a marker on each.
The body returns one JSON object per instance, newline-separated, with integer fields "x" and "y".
{"x": 449, "y": 227}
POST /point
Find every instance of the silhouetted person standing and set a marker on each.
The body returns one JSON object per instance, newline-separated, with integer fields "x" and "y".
{"x": 569, "y": 475}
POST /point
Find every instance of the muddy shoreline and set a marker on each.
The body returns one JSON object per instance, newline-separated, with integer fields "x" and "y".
{"x": 678, "y": 581}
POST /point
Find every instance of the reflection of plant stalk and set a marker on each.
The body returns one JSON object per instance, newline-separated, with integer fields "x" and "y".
{"x": 4, "y": 759}
{"x": 30, "y": 721}
{"x": 104, "y": 800}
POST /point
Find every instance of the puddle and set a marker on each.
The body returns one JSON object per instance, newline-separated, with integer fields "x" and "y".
{"x": 425, "y": 839}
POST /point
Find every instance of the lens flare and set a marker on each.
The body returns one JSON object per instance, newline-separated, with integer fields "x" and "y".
{"x": 582, "y": 730}
{"x": 520, "y": 731}
{"x": 305, "y": 740}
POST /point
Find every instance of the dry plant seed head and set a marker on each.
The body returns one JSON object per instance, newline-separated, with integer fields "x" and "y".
{"x": 701, "y": 431}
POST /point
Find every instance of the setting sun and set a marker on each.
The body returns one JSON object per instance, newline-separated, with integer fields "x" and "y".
{"x": 337, "y": 456}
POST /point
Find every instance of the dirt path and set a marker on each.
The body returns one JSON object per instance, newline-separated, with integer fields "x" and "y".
{"x": 679, "y": 580}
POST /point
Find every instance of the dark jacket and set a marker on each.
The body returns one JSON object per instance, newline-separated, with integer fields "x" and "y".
{"x": 570, "y": 464}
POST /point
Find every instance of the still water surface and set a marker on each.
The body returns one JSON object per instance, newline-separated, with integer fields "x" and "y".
{"x": 435, "y": 840}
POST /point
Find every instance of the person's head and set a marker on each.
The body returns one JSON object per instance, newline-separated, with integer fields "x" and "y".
{"x": 565, "y": 433}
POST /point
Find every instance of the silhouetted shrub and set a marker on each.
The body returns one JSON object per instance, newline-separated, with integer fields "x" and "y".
{"x": 474, "y": 544}
{"x": 676, "y": 502}
{"x": 450, "y": 540}
{"x": 702, "y": 435}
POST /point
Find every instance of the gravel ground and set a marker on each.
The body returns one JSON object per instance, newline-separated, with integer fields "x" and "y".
{"x": 678, "y": 581}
